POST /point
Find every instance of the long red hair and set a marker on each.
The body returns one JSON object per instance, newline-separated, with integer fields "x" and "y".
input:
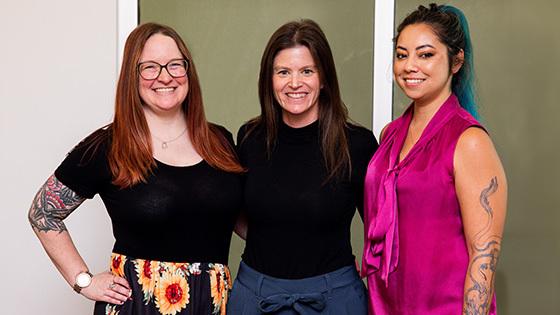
{"x": 130, "y": 154}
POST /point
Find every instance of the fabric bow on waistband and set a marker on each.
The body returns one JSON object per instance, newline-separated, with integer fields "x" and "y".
{"x": 298, "y": 302}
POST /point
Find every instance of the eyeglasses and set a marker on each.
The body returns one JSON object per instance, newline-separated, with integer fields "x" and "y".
{"x": 150, "y": 70}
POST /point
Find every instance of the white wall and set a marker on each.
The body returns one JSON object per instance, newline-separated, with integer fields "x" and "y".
{"x": 57, "y": 79}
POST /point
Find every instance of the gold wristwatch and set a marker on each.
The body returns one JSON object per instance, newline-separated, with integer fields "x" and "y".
{"x": 82, "y": 281}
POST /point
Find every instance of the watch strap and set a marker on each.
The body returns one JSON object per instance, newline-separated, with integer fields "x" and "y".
{"x": 76, "y": 287}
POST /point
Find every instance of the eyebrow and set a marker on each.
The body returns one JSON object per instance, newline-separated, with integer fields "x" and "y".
{"x": 417, "y": 48}
{"x": 172, "y": 59}
{"x": 287, "y": 67}
{"x": 424, "y": 46}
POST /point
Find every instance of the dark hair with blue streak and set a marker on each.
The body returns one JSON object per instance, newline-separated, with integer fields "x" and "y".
{"x": 451, "y": 27}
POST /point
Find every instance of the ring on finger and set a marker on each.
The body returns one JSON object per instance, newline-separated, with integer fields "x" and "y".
{"x": 112, "y": 285}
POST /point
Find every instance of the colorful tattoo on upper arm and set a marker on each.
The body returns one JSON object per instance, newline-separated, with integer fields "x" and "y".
{"x": 52, "y": 204}
{"x": 486, "y": 250}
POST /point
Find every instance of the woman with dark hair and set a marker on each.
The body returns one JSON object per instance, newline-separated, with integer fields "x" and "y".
{"x": 305, "y": 169}
{"x": 170, "y": 181}
{"x": 435, "y": 191}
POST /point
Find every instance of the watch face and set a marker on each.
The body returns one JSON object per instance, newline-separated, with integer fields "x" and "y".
{"x": 83, "y": 280}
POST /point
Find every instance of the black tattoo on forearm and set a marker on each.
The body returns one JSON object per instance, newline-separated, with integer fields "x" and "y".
{"x": 486, "y": 250}
{"x": 52, "y": 204}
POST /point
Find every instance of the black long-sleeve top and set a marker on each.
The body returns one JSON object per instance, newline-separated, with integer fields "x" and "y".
{"x": 299, "y": 227}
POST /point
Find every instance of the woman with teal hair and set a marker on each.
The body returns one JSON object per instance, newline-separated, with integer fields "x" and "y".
{"x": 435, "y": 190}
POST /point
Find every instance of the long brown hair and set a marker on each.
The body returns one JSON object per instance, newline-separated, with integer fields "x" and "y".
{"x": 130, "y": 153}
{"x": 333, "y": 114}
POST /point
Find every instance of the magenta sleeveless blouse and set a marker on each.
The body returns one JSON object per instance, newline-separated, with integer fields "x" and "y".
{"x": 415, "y": 253}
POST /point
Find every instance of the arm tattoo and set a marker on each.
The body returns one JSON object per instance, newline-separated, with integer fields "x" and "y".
{"x": 52, "y": 204}
{"x": 486, "y": 249}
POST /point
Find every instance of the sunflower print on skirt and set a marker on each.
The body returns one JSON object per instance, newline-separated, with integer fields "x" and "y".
{"x": 165, "y": 285}
{"x": 111, "y": 309}
{"x": 220, "y": 285}
{"x": 147, "y": 272}
{"x": 171, "y": 293}
{"x": 117, "y": 264}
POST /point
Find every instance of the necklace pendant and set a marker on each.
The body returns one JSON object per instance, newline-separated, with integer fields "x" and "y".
{"x": 165, "y": 144}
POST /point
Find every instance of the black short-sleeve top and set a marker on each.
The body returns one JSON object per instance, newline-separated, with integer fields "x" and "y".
{"x": 180, "y": 214}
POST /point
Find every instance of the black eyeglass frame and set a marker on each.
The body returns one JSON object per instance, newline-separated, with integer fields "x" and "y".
{"x": 186, "y": 63}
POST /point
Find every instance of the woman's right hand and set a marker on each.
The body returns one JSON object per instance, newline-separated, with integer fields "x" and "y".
{"x": 107, "y": 287}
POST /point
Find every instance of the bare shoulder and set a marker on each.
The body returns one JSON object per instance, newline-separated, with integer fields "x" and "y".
{"x": 475, "y": 155}
{"x": 474, "y": 142}
{"x": 474, "y": 138}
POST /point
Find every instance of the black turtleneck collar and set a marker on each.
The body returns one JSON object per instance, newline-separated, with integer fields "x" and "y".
{"x": 306, "y": 134}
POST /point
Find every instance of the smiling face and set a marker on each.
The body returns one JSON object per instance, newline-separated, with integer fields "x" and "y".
{"x": 421, "y": 65}
{"x": 296, "y": 85}
{"x": 165, "y": 93}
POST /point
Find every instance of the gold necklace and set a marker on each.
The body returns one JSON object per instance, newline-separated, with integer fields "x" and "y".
{"x": 164, "y": 143}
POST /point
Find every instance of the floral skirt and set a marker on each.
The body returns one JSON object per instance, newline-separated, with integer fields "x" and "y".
{"x": 162, "y": 288}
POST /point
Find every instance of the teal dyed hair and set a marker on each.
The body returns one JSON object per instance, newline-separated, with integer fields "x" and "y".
{"x": 451, "y": 27}
{"x": 463, "y": 81}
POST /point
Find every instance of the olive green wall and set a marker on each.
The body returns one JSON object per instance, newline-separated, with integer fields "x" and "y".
{"x": 517, "y": 50}
{"x": 227, "y": 38}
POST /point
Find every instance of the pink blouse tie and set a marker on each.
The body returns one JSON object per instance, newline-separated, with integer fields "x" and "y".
{"x": 382, "y": 254}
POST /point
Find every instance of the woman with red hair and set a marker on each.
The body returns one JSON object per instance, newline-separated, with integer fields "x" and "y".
{"x": 171, "y": 184}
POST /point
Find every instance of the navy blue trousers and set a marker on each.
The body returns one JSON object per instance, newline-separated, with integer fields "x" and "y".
{"x": 339, "y": 292}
